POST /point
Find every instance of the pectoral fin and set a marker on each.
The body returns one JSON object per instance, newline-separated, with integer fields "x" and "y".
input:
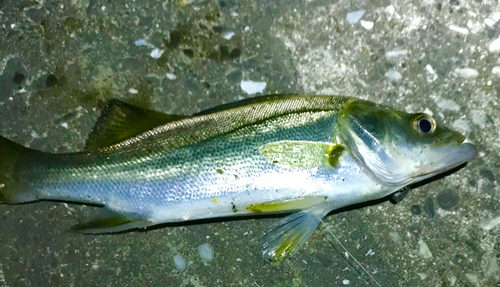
{"x": 119, "y": 121}
{"x": 107, "y": 221}
{"x": 303, "y": 154}
{"x": 286, "y": 236}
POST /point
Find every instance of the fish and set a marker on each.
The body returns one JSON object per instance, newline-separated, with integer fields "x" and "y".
{"x": 302, "y": 156}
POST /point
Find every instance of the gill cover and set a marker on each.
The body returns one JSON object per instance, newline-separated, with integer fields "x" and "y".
{"x": 399, "y": 148}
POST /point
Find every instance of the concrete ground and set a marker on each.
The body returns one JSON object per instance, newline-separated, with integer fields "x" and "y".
{"x": 61, "y": 60}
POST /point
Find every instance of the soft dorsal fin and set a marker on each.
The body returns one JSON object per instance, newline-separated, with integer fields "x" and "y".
{"x": 119, "y": 121}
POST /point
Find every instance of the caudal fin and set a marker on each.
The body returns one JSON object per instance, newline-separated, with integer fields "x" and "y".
{"x": 13, "y": 183}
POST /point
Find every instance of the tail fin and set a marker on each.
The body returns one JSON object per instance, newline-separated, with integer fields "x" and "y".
{"x": 12, "y": 181}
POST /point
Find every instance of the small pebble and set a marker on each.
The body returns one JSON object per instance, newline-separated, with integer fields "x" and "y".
{"x": 171, "y": 76}
{"x": 396, "y": 53}
{"x": 429, "y": 207}
{"x": 206, "y": 252}
{"x": 368, "y": 25}
{"x": 461, "y": 30}
{"x": 228, "y": 35}
{"x": 156, "y": 53}
{"x": 415, "y": 209}
{"x": 140, "y": 42}
{"x": 251, "y": 87}
{"x": 466, "y": 73}
{"x": 354, "y": 17}
{"x": 393, "y": 75}
{"x": 424, "y": 249}
{"x": 447, "y": 199}
{"x": 345, "y": 282}
{"x": 494, "y": 46}
{"x": 180, "y": 262}
{"x": 496, "y": 71}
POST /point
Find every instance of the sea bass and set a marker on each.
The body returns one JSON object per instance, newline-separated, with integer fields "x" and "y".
{"x": 305, "y": 155}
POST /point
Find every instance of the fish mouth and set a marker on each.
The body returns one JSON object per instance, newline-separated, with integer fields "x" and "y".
{"x": 458, "y": 156}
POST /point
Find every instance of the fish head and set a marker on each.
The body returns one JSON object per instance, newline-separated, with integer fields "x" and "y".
{"x": 399, "y": 148}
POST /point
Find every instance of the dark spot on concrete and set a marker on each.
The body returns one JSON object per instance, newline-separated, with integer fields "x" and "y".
{"x": 415, "y": 209}
{"x": 486, "y": 173}
{"x": 175, "y": 39}
{"x": 447, "y": 199}
{"x": 235, "y": 53}
{"x": 429, "y": 207}
{"x": 18, "y": 78}
{"x": 207, "y": 85}
{"x": 454, "y": 2}
{"x": 188, "y": 52}
{"x": 224, "y": 51}
{"x": 234, "y": 77}
{"x": 473, "y": 245}
{"x": 50, "y": 81}
{"x": 218, "y": 29}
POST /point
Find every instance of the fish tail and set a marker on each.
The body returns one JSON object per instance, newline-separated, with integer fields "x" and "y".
{"x": 13, "y": 183}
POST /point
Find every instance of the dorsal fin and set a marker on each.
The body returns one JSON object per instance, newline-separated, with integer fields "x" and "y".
{"x": 119, "y": 121}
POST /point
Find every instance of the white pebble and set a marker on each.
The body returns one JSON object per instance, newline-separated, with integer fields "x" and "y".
{"x": 458, "y": 29}
{"x": 140, "y": 42}
{"x": 494, "y": 46}
{"x": 34, "y": 134}
{"x": 156, "y": 53}
{"x": 228, "y": 35}
{"x": 251, "y": 87}
{"x": 133, "y": 91}
{"x": 496, "y": 70}
{"x": 12, "y": 25}
{"x": 370, "y": 252}
{"x": 368, "y": 25}
{"x": 235, "y": 14}
{"x": 65, "y": 125}
{"x": 424, "y": 249}
{"x": 345, "y": 282}
{"x": 171, "y": 76}
{"x": 180, "y": 262}
{"x": 393, "y": 75}
{"x": 493, "y": 19}
{"x": 432, "y": 74}
{"x": 246, "y": 29}
{"x": 479, "y": 118}
{"x": 354, "y": 17}
{"x": 238, "y": 259}
{"x": 396, "y": 53}
{"x": 206, "y": 252}
{"x": 490, "y": 223}
{"x": 461, "y": 125}
{"x": 103, "y": 8}
{"x": 466, "y": 73}
{"x": 447, "y": 104}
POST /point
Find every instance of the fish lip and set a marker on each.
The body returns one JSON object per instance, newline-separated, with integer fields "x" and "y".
{"x": 460, "y": 155}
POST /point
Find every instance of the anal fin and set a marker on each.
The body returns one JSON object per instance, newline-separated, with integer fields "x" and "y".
{"x": 107, "y": 221}
{"x": 285, "y": 237}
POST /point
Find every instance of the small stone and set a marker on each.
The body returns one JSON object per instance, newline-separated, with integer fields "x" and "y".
{"x": 171, "y": 76}
{"x": 415, "y": 209}
{"x": 486, "y": 173}
{"x": 393, "y": 75}
{"x": 354, "y": 17}
{"x": 447, "y": 199}
{"x": 466, "y": 73}
{"x": 180, "y": 262}
{"x": 429, "y": 207}
{"x": 206, "y": 252}
{"x": 454, "y": 2}
{"x": 368, "y": 25}
{"x": 251, "y": 87}
{"x": 228, "y": 35}
{"x": 424, "y": 249}
{"x": 156, "y": 53}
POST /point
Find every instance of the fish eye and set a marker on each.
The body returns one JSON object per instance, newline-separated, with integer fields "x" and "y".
{"x": 423, "y": 124}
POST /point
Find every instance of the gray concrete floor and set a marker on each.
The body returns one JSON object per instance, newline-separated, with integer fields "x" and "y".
{"x": 61, "y": 60}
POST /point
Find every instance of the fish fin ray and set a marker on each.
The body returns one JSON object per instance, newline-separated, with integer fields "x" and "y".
{"x": 108, "y": 221}
{"x": 303, "y": 154}
{"x": 286, "y": 236}
{"x": 119, "y": 121}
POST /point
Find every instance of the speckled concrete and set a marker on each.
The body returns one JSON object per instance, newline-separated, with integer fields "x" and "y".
{"x": 61, "y": 60}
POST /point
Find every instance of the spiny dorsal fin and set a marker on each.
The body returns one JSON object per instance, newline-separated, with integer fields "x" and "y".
{"x": 119, "y": 121}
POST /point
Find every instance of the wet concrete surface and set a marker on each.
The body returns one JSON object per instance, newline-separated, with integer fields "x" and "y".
{"x": 60, "y": 61}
